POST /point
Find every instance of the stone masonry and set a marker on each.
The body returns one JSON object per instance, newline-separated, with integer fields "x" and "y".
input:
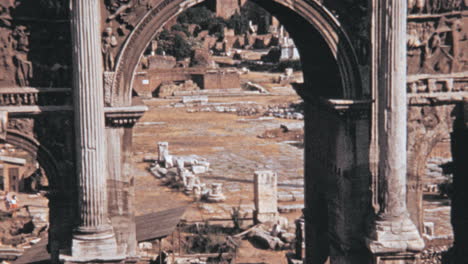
{"x": 265, "y": 196}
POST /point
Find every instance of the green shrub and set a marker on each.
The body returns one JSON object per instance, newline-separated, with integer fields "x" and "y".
{"x": 239, "y": 23}
{"x": 195, "y": 15}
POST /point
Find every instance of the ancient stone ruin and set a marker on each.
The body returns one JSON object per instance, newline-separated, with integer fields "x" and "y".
{"x": 265, "y": 196}
{"x": 383, "y": 82}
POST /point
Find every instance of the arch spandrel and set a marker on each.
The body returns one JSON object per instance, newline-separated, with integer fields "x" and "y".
{"x": 121, "y": 81}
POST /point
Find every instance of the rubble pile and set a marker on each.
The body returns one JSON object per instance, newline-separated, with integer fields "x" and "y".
{"x": 20, "y": 229}
{"x": 183, "y": 172}
{"x": 168, "y": 89}
{"x": 434, "y": 255}
{"x": 268, "y": 236}
{"x": 285, "y": 111}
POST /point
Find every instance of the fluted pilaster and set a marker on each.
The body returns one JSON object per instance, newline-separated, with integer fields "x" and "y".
{"x": 393, "y": 231}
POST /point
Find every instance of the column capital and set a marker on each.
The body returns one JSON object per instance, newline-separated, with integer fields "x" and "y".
{"x": 124, "y": 116}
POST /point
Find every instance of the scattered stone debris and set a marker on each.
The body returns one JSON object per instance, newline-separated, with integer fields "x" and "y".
{"x": 22, "y": 228}
{"x": 271, "y": 235}
{"x": 435, "y": 255}
{"x": 183, "y": 172}
{"x": 256, "y": 87}
{"x": 168, "y": 89}
{"x": 285, "y": 111}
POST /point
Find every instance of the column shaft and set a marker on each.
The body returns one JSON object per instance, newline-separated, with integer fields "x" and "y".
{"x": 392, "y": 108}
{"x": 392, "y": 231}
{"x": 89, "y": 115}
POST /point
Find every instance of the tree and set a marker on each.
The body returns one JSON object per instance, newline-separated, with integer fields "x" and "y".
{"x": 182, "y": 48}
{"x": 195, "y": 15}
{"x": 239, "y": 23}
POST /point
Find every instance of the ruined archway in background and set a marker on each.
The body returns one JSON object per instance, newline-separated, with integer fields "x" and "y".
{"x": 43, "y": 156}
{"x": 58, "y": 194}
{"x": 301, "y": 15}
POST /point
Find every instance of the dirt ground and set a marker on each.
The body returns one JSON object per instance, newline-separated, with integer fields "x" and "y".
{"x": 233, "y": 146}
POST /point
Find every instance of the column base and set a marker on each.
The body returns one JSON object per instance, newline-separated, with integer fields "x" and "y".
{"x": 94, "y": 248}
{"x": 394, "y": 236}
{"x": 265, "y": 217}
{"x": 398, "y": 258}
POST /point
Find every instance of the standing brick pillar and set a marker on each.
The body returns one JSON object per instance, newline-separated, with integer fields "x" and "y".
{"x": 393, "y": 231}
{"x": 94, "y": 238}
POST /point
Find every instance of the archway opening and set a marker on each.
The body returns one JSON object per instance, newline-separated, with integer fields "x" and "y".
{"x": 322, "y": 78}
{"x": 25, "y": 180}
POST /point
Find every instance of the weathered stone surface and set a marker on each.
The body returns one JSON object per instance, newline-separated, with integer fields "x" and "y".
{"x": 265, "y": 196}
{"x": 198, "y": 169}
{"x": 216, "y": 193}
{"x": 265, "y": 240}
{"x": 393, "y": 231}
{"x": 94, "y": 238}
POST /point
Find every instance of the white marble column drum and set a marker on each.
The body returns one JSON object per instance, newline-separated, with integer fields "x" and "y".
{"x": 94, "y": 238}
{"x": 392, "y": 231}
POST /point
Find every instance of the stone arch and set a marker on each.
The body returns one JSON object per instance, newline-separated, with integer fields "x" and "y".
{"x": 337, "y": 139}
{"x": 43, "y": 156}
{"x": 311, "y": 11}
{"x": 61, "y": 212}
{"x": 428, "y": 125}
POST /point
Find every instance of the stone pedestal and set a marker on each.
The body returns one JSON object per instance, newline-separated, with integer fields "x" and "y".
{"x": 265, "y": 196}
{"x": 392, "y": 231}
{"x": 93, "y": 239}
{"x": 216, "y": 194}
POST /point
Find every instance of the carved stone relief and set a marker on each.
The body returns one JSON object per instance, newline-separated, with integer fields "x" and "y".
{"x": 6, "y": 64}
{"x": 24, "y": 69}
{"x": 34, "y": 43}
{"x": 109, "y": 41}
{"x": 437, "y": 43}
{"x": 121, "y": 18}
{"x": 434, "y": 6}
{"x": 24, "y": 126}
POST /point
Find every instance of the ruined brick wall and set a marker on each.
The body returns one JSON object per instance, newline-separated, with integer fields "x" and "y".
{"x": 147, "y": 82}
{"x": 221, "y": 79}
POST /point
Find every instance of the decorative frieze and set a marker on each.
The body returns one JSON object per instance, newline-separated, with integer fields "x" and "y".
{"x": 35, "y": 96}
{"x": 442, "y": 83}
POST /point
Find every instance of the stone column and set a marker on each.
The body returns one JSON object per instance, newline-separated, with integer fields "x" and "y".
{"x": 393, "y": 231}
{"x": 94, "y": 238}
